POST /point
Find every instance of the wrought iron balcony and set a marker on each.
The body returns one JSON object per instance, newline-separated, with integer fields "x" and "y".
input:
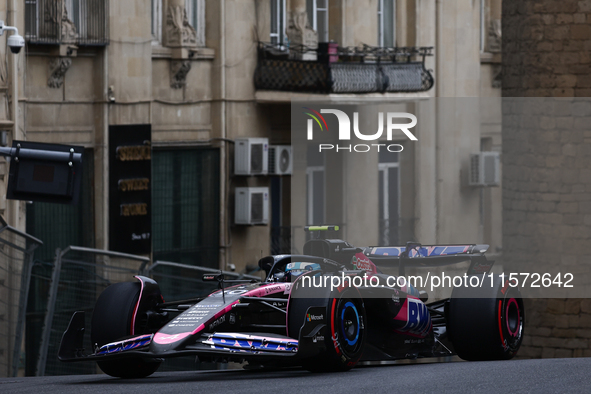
{"x": 343, "y": 70}
{"x": 76, "y": 22}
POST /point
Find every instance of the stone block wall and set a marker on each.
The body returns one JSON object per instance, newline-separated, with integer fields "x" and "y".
{"x": 557, "y": 328}
{"x": 547, "y": 48}
{"x": 547, "y": 162}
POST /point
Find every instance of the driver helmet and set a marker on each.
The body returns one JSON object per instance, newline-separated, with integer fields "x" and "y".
{"x": 293, "y": 270}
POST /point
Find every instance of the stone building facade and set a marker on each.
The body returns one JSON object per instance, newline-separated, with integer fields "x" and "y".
{"x": 194, "y": 86}
{"x": 183, "y": 70}
{"x": 546, "y": 189}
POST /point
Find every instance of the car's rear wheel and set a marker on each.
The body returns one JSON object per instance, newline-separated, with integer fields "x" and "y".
{"x": 486, "y": 323}
{"x": 112, "y": 319}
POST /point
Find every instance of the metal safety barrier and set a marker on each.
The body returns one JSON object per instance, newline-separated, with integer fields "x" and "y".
{"x": 16, "y": 260}
{"x": 182, "y": 281}
{"x": 78, "y": 278}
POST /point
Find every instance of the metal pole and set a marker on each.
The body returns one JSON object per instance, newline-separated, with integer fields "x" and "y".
{"x": 38, "y": 154}
{"x": 22, "y": 312}
{"x": 55, "y": 278}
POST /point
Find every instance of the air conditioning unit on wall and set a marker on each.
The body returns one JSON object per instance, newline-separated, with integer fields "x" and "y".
{"x": 251, "y": 205}
{"x": 485, "y": 169}
{"x": 280, "y": 160}
{"x": 251, "y": 156}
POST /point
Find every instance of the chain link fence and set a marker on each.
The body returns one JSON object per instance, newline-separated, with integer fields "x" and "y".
{"x": 78, "y": 277}
{"x": 181, "y": 282}
{"x": 16, "y": 260}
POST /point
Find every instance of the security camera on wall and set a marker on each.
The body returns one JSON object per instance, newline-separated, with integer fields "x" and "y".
{"x": 15, "y": 41}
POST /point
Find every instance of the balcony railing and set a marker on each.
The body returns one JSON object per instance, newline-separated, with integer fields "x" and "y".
{"x": 345, "y": 70}
{"x": 77, "y": 22}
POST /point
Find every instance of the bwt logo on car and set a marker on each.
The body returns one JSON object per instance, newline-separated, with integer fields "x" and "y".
{"x": 419, "y": 320}
{"x": 345, "y": 130}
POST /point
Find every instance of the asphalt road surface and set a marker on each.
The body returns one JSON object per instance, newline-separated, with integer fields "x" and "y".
{"x": 523, "y": 376}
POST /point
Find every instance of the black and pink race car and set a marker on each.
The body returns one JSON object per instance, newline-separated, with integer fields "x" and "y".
{"x": 286, "y": 320}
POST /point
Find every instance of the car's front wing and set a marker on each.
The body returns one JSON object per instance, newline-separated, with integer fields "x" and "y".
{"x": 239, "y": 346}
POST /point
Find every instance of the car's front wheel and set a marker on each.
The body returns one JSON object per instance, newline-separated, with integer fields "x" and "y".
{"x": 345, "y": 331}
{"x": 112, "y": 320}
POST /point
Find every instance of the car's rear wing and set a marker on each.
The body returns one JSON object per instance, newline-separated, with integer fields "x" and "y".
{"x": 412, "y": 255}
{"x": 417, "y": 255}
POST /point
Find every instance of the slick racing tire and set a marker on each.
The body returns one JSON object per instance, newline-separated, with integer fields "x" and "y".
{"x": 345, "y": 331}
{"x": 111, "y": 321}
{"x": 486, "y": 323}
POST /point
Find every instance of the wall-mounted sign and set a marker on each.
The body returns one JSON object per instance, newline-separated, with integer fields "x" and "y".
{"x": 44, "y": 172}
{"x": 130, "y": 189}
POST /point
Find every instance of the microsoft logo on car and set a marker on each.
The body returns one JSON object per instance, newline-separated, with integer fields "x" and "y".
{"x": 310, "y": 317}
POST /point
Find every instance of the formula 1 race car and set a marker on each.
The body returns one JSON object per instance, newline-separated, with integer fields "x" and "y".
{"x": 286, "y": 320}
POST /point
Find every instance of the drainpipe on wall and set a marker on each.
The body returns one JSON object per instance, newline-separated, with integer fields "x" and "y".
{"x": 102, "y": 213}
{"x": 224, "y": 261}
{"x": 438, "y": 90}
{"x": 15, "y": 209}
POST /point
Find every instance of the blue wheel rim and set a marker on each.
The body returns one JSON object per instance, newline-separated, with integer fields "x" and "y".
{"x": 352, "y": 342}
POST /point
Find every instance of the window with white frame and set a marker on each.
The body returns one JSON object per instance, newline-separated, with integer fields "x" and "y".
{"x": 196, "y": 15}
{"x": 278, "y": 18}
{"x": 157, "y": 21}
{"x": 77, "y": 11}
{"x": 315, "y": 184}
{"x": 195, "y": 11}
{"x": 483, "y": 24}
{"x": 386, "y": 23}
{"x": 318, "y": 17}
{"x": 389, "y": 198}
